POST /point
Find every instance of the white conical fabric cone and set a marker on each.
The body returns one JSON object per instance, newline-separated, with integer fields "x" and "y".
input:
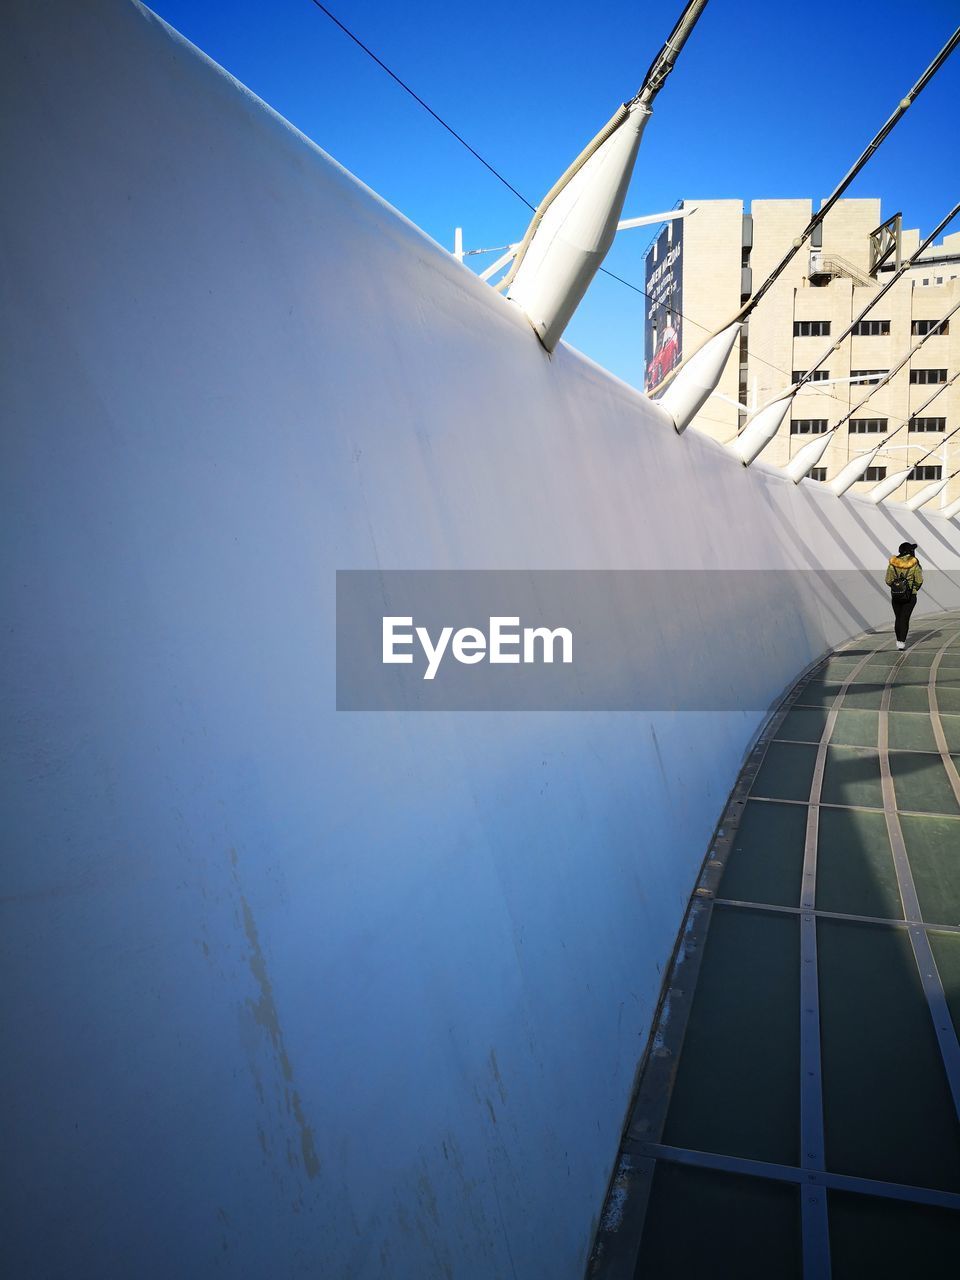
{"x": 575, "y": 233}
{"x": 952, "y": 510}
{"x": 760, "y": 430}
{"x": 926, "y": 495}
{"x": 886, "y": 487}
{"x": 852, "y": 472}
{"x": 698, "y": 378}
{"x": 811, "y": 453}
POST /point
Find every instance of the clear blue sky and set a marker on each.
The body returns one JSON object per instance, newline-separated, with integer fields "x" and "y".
{"x": 767, "y": 100}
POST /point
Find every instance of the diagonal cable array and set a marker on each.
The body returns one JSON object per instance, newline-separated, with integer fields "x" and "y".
{"x": 663, "y": 63}
{"x": 496, "y": 173}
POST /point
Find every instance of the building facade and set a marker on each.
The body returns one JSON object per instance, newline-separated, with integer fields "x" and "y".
{"x": 724, "y": 253}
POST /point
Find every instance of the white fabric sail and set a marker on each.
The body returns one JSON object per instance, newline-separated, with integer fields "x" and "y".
{"x": 575, "y": 233}
{"x": 760, "y": 430}
{"x": 806, "y": 458}
{"x": 698, "y": 378}
{"x": 889, "y": 485}
{"x": 927, "y": 494}
{"x": 852, "y": 472}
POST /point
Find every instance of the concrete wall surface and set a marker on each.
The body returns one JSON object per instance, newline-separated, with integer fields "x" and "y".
{"x": 288, "y": 991}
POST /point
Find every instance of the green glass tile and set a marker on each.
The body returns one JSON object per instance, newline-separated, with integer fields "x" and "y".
{"x": 836, "y": 667}
{"x": 766, "y": 857}
{"x": 855, "y": 871}
{"x": 719, "y": 1225}
{"x": 910, "y": 696}
{"x": 852, "y": 776}
{"x": 786, "y": 772}
{"x": 911, "y": 731}
{"x": 933, "y": 849}
{"x": 946, "y": 952}
{"x": 932, "y": 632}
{"x": 818, "y": 693}
{"x": 872, "y": 673}
{"x": 864, "y": 697}
{"x": 883, "y": 1239}
{"x": 917, "y": 662}
{"x": 856, "y": 728}
{"x": 948, "y": 700}
{"x": 888, "y": 1113}
{"x": 803, "y": 724}
{"x": 951, "y": 730}
{"x": 876, "y": 671}
{"x": 921, "y": 783}
{"x": 737, "y": 1079}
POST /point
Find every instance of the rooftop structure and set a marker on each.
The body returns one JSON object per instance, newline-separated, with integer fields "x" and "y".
{"x": 721, "y": 251}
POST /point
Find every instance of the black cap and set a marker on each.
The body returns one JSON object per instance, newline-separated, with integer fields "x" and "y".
{"x": 907, "y": 548}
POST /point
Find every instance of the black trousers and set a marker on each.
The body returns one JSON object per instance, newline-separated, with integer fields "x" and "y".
{"x": 902, "y": 609}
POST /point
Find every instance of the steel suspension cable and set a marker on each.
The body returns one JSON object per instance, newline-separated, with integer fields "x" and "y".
{"x": 899, "y": 112}
{"x": 911, "y": 261}
{"x": 416, "y": 97}
{"x": 902, "y": 106}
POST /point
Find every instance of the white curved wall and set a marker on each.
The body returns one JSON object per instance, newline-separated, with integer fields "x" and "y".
{"x": 291, "y": 992}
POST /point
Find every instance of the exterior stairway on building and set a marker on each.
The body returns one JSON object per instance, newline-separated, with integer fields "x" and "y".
{"x": 828, "y": 266}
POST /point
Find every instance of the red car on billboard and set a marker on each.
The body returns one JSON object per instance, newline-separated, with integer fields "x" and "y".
{"x": 666, "y": 354}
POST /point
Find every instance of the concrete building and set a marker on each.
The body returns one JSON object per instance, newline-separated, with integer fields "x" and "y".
{"x": 727, "y": 252}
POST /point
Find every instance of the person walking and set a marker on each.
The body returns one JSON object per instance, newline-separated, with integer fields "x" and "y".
{"x": 904, "y": 578}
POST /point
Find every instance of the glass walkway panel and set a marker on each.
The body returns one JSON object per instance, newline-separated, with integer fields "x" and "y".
{"x": 797, "y": 1113}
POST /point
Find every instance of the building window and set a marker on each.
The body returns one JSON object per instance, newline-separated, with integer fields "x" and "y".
{"x": 811, "y": 328}
{"x": 867, "y": 426}
{"x": 868, "y": 377}
{"x": 928, "y": 424}
{"x": 818, "y": 375}
{"x": 875, "y": 473}
{"x": 808, "y": 426}
{"x": 872, "y": 328}
{"x": 926, "y": 473}
{"x": 923, "y": 327}
{"x": 818, "y": 473}
{"x": 927, "y": 376}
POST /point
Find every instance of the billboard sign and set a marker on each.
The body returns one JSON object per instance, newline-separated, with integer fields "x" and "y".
{"x": 663, "y": 330}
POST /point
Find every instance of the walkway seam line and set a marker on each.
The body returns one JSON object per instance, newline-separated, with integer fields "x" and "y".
{"x": 858, "y": 746}
{"x": 937, "y": 723}
{"x": 616, "y": 1248}
{"x": 814, "y": 1224}
{"x": 930, "y": 978}
{"x": 803, "y": 1177}
{"x": 859, "y": 808}
{"x": 837, "y": 915}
